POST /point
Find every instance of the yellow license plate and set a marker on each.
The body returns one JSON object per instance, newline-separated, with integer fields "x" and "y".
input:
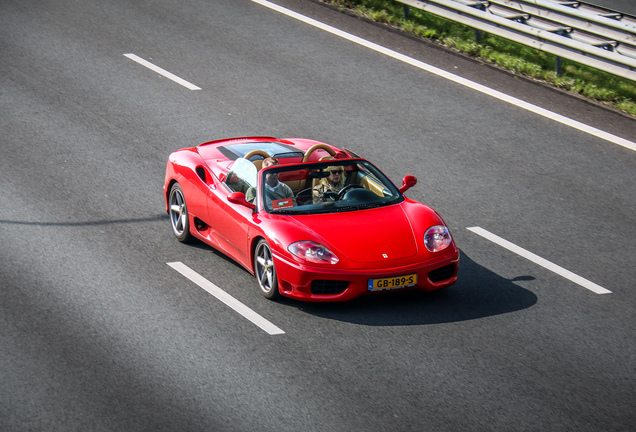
{"x": 392, "y": 282}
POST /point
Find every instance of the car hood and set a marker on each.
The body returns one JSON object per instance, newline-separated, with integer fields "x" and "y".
{"x": 375, "y": 235}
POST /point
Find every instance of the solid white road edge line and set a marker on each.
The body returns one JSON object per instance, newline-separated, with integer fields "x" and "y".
{"x": 455, "y": 78}
{"x": 540, "y": 261}
{"x": 224, "y": 297}
{"x": 163, "y": 72}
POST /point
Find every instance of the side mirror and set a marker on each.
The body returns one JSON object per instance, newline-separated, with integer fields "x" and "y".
{"x": 239, "y": 198}
{"x": 408, "y": 182}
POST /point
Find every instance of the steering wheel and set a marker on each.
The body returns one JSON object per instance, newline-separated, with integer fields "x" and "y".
{"x": 315, "y": 147}
{"x": 347, "y": 188}
{"x": 256, "y": 153}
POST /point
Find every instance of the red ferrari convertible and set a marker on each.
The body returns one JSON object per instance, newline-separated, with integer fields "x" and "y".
{"x": 309, "y": 220}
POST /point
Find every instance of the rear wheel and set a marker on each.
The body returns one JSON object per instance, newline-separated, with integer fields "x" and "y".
{"x": 265, "y": 271}
{"x": 178, "y": 211}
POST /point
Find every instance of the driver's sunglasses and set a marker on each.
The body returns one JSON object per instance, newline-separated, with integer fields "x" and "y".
{"x": 334, "y": 172}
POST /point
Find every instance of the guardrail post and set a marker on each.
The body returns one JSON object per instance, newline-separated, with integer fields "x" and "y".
{"x": 406, "y": 12}
{"x": 559, "y": 65}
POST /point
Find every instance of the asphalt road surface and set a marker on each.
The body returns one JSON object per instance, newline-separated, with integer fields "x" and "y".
{"x": 98, "y": 333}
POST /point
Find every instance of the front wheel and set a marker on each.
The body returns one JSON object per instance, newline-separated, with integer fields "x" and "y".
{"x": 179, "y": 219}
{"x": 265, "y": 271}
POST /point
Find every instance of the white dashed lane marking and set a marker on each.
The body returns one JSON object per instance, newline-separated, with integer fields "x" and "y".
{"x": 540, "y": 261}
{"x": 162, "y": 72}
{"x": 224, "y": 297}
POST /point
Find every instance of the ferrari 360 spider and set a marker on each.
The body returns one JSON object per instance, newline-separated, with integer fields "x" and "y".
{"x": 309, "y": 220}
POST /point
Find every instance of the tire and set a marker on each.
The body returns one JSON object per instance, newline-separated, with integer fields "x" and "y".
{"x": 178, "y": 211}
{"x": 265, "y": 271}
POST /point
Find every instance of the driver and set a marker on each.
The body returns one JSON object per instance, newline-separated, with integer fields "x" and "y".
{"x": 333, "y": 183}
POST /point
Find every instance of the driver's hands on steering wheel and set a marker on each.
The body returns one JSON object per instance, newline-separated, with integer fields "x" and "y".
{"x": 330, "y": 195}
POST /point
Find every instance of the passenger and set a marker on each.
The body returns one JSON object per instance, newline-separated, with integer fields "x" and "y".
{"x": 328, "y": 188}
{"x": 274, "y": 189}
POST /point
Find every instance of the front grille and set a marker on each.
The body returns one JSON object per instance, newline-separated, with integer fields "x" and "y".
{"x": 442, "y": 273}
{"x": 325, "y": 287}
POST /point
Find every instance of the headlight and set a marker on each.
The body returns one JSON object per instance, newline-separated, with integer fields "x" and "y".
{"x": 437, "y": 238}
{"x": 313, "y": 252}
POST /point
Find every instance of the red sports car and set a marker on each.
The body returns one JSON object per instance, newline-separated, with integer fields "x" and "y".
{"x": 309, "y": 220}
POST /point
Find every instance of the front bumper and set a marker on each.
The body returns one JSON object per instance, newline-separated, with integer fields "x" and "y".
{"x": 324, "y": 284}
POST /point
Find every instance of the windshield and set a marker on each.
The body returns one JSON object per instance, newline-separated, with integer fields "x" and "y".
{"x": 325, "y": 187}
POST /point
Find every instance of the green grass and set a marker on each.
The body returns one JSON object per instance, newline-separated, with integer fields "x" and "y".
{"x": 603, "y": 87}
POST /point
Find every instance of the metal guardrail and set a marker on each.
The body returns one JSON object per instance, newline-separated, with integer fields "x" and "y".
{"x": 575, "y": 30}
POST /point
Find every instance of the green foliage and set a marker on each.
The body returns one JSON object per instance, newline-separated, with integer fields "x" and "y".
{"x": 615, "y": 91}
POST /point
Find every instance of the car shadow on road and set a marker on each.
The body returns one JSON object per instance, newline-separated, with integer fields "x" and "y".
{"x": 478, "y": 293}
